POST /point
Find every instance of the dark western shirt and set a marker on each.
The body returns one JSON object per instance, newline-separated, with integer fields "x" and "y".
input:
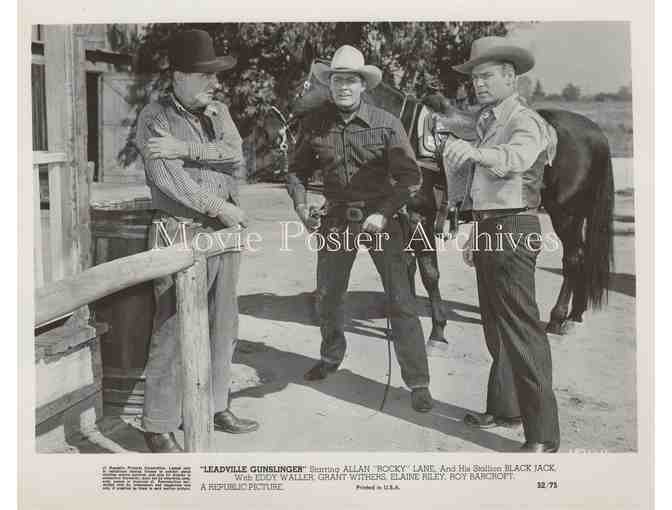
{"x": 198, "y": 185}
{"x": 368, "y": 159}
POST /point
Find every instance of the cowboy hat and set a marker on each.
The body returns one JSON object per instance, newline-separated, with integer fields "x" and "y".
{"x": 497, "y": 49}
{"x": 192, "y": 51}
{"x": 348, "y": 60}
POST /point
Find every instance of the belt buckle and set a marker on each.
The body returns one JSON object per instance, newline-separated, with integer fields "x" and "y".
{"x": 354, "y": 214}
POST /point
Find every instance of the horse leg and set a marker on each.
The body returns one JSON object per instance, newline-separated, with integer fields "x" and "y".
{"x": 572, "y": 271}
{"x": 429, "y": 273}
{"x": 569, "y": 232}
{"x": 580, "y": 294}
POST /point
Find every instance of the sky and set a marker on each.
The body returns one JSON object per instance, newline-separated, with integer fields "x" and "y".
{"x": 595, "y": 55}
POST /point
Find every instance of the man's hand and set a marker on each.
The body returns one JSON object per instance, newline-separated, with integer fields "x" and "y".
{"x": 458, "y": 152}
{"x": 166, "y": 146}
{"x": 311, "y": 221}
{"x": 374, "y": 223}
{"x": 467, "y": 250}
{"x": 231, "y": 215}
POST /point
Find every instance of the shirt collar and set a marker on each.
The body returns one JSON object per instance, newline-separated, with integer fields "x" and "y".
{"x": 503, "y": 108}
{"x": 209, "y": 110}
{"x": 363, "y": 113}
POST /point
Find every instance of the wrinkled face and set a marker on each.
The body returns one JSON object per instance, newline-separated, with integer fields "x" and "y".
{"x": 195, "y": 89}
{"x": 493, "y": 81}
{"x": 346, "y": 89}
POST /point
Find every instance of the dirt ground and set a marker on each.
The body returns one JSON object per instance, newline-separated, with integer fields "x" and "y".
{"x": 594, "y": 367}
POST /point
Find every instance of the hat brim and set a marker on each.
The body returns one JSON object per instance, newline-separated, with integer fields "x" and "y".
{"x": 522, "y": 59}
{"x": 371, "y": 74}
{"x": 211, "y": 66}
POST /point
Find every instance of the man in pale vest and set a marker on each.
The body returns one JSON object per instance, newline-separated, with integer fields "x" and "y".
{"x": 503, "y": 194}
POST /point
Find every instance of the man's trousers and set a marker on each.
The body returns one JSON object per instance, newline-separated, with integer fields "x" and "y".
{"x": 333, "y": 275}
{"x": 520, "y": 382}
{"x": 163, "y": 387}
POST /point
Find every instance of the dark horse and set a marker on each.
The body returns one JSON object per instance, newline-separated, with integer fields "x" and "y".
{"x": 578, "y": 194}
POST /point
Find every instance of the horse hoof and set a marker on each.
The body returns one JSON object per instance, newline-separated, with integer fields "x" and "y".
{"x": 565, "y": 327}
{"x": 437, "y": 335}
{"x": 570, "y": 326}
{"x": 556, "y": 328}
{"x": 437, "y": 348}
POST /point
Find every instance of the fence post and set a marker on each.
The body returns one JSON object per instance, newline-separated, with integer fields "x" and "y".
{"x": 194, "y": 337}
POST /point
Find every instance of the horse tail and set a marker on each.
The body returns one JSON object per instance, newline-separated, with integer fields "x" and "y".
{"x": 599, "y": 254}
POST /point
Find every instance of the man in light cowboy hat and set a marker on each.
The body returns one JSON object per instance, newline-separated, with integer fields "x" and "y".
{"x": 359, "y": 147}
{"x": 191, "y": 150}
{"x": 503, "y": 194}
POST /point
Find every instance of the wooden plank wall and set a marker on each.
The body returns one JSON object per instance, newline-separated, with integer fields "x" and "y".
{"x": 65, "y": 79}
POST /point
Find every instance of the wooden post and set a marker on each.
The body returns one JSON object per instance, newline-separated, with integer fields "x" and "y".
{"x": 194, "y": 336}
{"x": 65, "y": 80}
{"x": 37, "y": 225}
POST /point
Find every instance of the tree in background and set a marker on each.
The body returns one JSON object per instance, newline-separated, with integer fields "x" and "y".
{"x": 571, "y": 92}
{"x": 624, "y": 93}
{"x": 538, "y": 94}
{"x": 524, "y": 88}
{"x": 274, "y": 58}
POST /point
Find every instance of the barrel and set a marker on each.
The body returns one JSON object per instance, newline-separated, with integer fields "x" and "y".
{"x": 119, "y": 231}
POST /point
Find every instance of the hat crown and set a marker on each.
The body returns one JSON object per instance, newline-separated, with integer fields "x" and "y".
{"x": 485, "y": 44}
{"x": 347, "y": 57}
{"x": 190, "y": 47}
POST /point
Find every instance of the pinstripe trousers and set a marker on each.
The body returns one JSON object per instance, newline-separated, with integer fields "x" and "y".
{"x": 520, "y": 381}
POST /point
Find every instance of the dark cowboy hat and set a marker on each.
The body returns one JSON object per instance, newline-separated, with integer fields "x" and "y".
{"x": 497, "y": 49}
{"x": 191, "y": 51}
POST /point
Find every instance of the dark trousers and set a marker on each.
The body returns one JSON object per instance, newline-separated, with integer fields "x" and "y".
{"x": 163, "y": 388}
{"x": 520, "y": 382}
{"x": 333, "y": 275}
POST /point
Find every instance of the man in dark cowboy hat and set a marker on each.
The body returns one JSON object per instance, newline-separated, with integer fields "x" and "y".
{"x": 359, "y": 147}
{"x": 191, "y": 150}
{"x": 503, "y": 194}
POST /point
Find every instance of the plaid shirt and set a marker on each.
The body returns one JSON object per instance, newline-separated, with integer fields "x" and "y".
{"x": 200, "y": 184}
{"x": 368, "y": 159}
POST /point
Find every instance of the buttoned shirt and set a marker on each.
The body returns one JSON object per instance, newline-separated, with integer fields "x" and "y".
{"x": 367, "y": 159}
{"x": 522, "y": 143}
{"x": 199, "y": 184}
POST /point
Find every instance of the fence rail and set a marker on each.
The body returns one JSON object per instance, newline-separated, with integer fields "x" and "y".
{"x": 55, "y": 299}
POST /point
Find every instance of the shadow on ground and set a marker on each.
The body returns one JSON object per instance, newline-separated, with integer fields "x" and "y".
{"x": 623, "y": 283}
{"x": 277, "y": 369}
{"x": 361, "y": 306}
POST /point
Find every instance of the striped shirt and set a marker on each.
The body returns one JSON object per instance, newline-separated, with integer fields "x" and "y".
{"x": 368, "y": 159}
{"x": 201, "y": 183}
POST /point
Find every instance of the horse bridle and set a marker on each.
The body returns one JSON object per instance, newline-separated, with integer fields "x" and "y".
{"x": 284, "y": 131}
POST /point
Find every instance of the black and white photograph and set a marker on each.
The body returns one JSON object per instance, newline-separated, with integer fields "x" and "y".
{"x": 261, "y": 237}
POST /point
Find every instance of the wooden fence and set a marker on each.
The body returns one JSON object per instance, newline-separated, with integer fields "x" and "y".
{"x": 55, "y": 299}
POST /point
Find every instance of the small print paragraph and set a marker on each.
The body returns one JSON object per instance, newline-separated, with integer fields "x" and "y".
{"x": 146, "y": 478}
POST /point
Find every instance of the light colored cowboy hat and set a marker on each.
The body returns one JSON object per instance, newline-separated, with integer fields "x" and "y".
{"x": 498, "y": 49}
{"x": 348, "y": 60}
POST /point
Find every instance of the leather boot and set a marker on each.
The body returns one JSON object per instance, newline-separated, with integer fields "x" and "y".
{"x": 421, "y": 400}
{"x": 320, "y": 371}
{"x": 162, "y": 443}
{"x": 226, "y": 421}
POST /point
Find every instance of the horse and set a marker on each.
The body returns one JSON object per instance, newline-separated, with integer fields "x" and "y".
{"x": 577, "y": 193}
